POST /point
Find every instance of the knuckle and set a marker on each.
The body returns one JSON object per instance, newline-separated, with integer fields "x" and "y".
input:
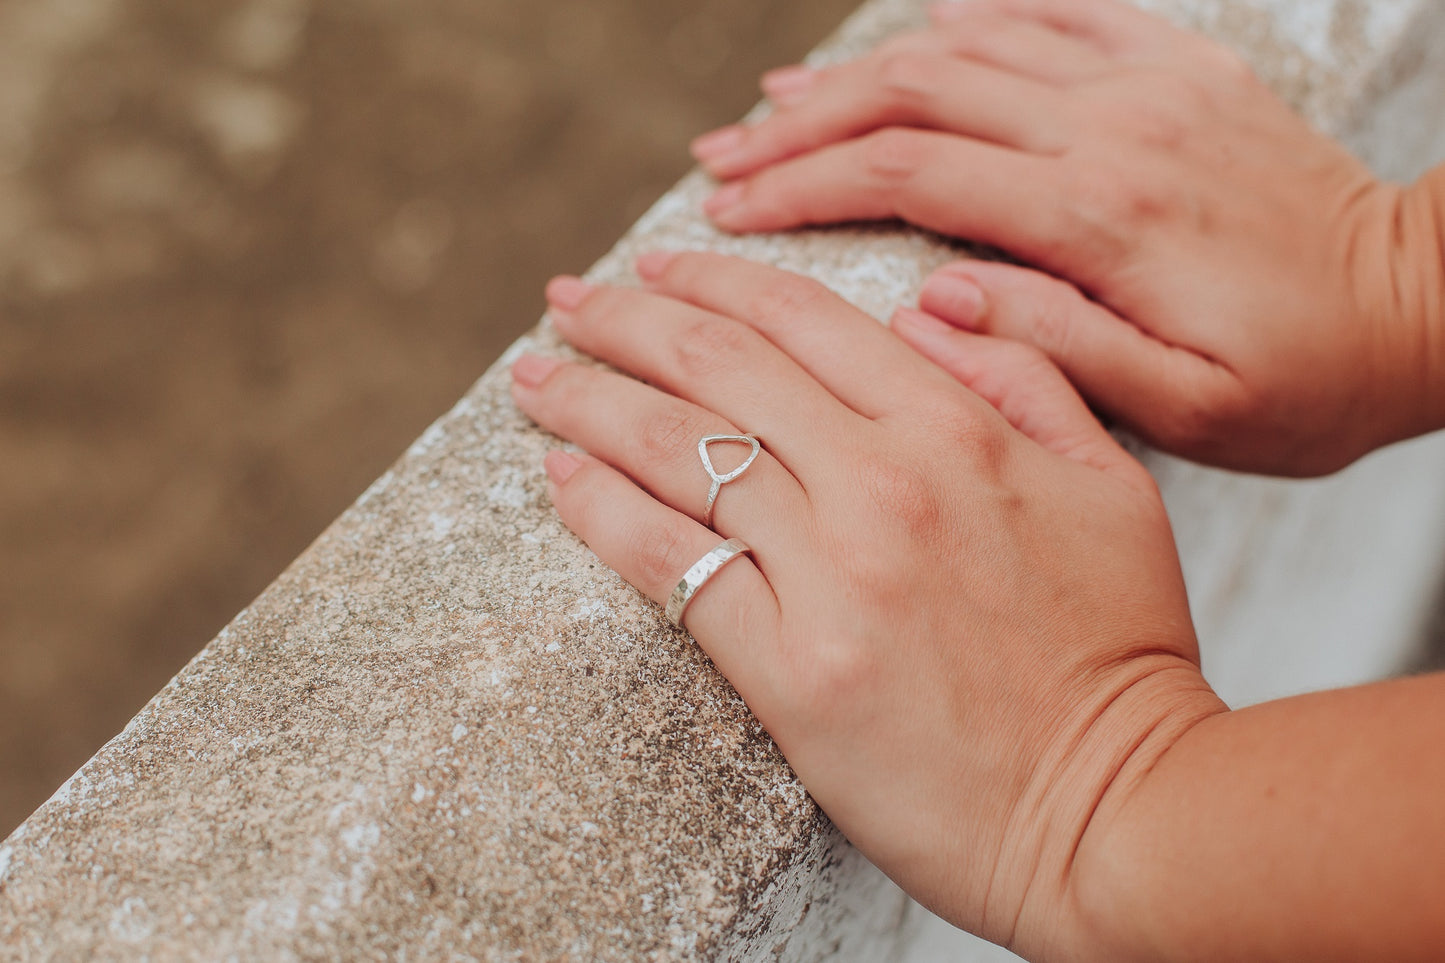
{"x": 1204, "y": 418}
{"x": 684, "y": 271}
{"x": 567, "y": 388}
{"x": 1107, "y": 204}
{"x": 904, "y": 495}
{"x": 658, "y": 552}
{"x": 605, "y": 303}
{"x": 787, "y": 298}
{"x": 1026, "y": 359}
{"x": 894, "y": 156}
{"x": 1225, "y": 63}
{"x": 830, "y": 677}
{"x": 1053, "y": 322}
{"x": 708, "y": 347}
{"x": 907, "y": 77}
{"x": 664, "y": 433}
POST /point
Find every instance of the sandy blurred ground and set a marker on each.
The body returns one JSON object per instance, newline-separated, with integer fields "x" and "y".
{"x": 249, "y": 250}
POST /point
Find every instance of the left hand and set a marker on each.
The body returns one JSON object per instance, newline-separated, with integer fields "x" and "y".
{"x": 963, "y": 620}
{"x": 1242, "y": 291}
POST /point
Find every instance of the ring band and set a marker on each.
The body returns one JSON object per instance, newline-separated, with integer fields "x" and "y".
{"x": 697, "y": 576}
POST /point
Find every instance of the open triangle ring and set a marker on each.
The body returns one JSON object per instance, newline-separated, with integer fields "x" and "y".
{"x": 718, "y": 481}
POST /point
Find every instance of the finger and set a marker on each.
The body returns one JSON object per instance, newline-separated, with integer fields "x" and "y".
{"x": 914, "y": 86}
{"x": 653, "y": 438}
{"x": 1115, "y": 27}
{"x": 1025, "y": 47}
{"x": 712, "y": 361}
{"x": 1158, "y": 389}
{"x": 853, "y": 356}
{"x": 1022, "y": 384}
{"x": 786, "y": 85}
{"x": 949, "y": 184}
{"x": 734, "y": 617}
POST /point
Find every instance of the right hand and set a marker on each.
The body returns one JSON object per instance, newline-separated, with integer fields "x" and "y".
{"x": 1242, "y": 291}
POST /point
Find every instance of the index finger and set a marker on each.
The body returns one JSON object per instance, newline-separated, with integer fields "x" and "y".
{"x": 853, "y": 356}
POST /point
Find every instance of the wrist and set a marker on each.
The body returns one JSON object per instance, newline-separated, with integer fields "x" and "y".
{"x": 1403, "y": 280}
{"x": 1070, "y": 914}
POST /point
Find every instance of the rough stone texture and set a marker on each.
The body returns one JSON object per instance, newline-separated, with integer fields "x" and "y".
{"x": 447, "y": 731}
{"x": 250, "y": 249}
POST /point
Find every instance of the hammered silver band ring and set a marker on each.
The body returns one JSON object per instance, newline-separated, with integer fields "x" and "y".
{"x": 697, "y": 576}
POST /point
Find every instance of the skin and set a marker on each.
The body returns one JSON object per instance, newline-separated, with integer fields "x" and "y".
{"x": 1007, "y": 720}
{"x": 1231, "y": 284}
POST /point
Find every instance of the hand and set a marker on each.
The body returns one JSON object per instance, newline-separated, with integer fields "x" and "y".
{"x": 966, "y": 630}
{"x": 1244, "y": 292}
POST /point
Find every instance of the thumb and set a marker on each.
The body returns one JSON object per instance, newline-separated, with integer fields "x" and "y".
{"x": 1023, "y": 385}
{"x": 1163, "y": 392}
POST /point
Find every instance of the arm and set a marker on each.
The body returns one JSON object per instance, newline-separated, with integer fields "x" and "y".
{"x": 1004, "y": 718}
{"x": 1304, "y": 829}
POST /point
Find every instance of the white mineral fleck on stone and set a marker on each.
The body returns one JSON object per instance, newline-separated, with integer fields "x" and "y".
{"x": 5, "y": 855}
{"x": 418, "y": 793}
{"x": 364, "y": 837}
{"x": 458, "y": 732}
{"x": 131, "y": 922}
{"x": 590, "y": 609}
{"x": 433, "y": 436}
{"x": 509, "y": 490}
{"x": 441, "y": 525}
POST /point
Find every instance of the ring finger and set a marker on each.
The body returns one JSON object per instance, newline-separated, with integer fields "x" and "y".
{"x": 734, "y": 616}
{"x": 653, "y": 437}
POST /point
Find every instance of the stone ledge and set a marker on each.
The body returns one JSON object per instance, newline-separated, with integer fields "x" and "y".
{"x": 448, "y": 731}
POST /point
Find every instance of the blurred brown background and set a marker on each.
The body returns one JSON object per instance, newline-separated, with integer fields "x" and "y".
{"x": 250, "y": 249}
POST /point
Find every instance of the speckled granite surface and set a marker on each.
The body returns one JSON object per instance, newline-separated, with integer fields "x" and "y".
{"x": 449, "y": 732}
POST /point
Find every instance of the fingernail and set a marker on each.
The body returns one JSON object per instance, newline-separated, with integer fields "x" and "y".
{"x": 651, "y": 264}
{"x": 787, "y": 84}
{"x": 920, "y": 321}
{"x": 531, "y": 370}
{"x": 727, "y": 197}
{"x": 567, "y": 292}
{"x": 957, "y": 299}
{"x": 560, "y": 466}
{"x": 721, "y": 141}
{"x": 947, "y": 10}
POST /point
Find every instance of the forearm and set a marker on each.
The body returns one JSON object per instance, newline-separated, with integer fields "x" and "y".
{"x": 1304, "y": 829}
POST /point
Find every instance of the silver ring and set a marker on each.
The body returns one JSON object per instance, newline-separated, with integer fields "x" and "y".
{"x": 697, "y": 576}
{"x": 718, "y": 481}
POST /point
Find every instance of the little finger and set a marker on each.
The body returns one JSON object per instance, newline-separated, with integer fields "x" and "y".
{"x": 734, "y": 616}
